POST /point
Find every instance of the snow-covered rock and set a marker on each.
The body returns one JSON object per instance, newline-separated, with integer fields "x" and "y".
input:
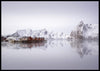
{"x": 21, "y": 33}
{"x": 40, "y": 33}
{"x": 85, "y": 31}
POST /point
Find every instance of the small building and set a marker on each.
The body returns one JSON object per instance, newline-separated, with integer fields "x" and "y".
{"x": 23, "y": 38}
{"x": 3, "y": 38}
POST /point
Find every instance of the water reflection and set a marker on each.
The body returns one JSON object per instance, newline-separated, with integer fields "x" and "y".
{"x": 23, "y": 45}
{"x": 85, "y": 47}
{"x": 53, "y": 54}
{"x": 30, "y": 45}
{"x": 57, "y": 43}
{"x": 82, "y": 47}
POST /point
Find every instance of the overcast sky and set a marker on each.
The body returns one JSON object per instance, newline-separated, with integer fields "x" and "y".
{"x": 59, "y": 16}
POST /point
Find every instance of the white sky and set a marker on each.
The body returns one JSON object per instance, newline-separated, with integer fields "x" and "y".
{"x": 59, "y": 16}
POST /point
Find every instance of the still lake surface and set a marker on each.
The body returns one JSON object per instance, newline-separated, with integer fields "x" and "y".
{"x": 53, "y": 54}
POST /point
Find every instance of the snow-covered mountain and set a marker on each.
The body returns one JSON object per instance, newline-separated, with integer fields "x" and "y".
{"x": 81, "y": 31}
{"x": 39, "y": 33}
{"x": 30, "y": 32}
{"x": 85, "y": 31}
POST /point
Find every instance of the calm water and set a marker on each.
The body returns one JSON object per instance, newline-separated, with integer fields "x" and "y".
{"x": 53, "y": 54}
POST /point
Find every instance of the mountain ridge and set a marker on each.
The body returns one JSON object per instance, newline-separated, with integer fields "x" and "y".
{"x": 81, "y": 31}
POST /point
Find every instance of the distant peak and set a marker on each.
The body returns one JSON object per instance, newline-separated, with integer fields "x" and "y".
{"x": 81, "y": 22}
